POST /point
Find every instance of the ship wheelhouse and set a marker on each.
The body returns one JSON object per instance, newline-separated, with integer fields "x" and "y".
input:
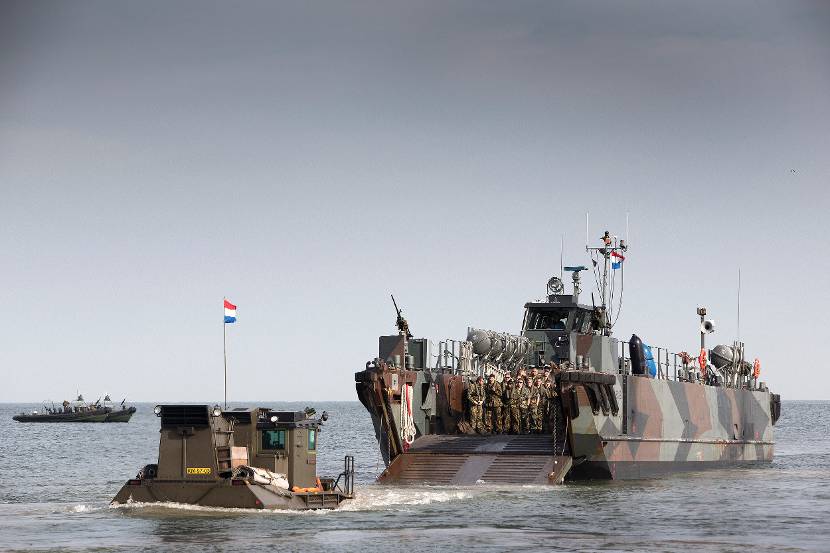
{"x": 549, "y": 326}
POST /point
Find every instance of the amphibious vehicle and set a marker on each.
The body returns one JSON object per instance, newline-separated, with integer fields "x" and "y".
{"x": 240, "y": 458}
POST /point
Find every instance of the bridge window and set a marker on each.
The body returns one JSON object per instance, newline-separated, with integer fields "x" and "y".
{"x": 273, "y": 440}
{"x": 553, "y": 319}
{"x": 312, "y": 439}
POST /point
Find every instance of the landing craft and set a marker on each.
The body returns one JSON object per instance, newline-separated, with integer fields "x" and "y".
{"x": 623, "y": 409}
{"x": 243, "y": 458}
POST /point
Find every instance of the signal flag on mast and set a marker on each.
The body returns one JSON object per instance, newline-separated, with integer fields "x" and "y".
{"x": 230, "y": 312}
{"x": 616, "y": 263}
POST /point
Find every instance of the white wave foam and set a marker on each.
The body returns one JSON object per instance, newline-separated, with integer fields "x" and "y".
{"x": 370, "y": 498}
{"x": 171, "y": 505}
{"x": 379, "y": 498}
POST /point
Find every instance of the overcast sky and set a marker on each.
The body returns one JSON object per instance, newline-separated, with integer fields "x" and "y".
{"x": 308, "y": 159}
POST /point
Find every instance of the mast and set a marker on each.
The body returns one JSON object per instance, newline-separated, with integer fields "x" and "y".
{"x": 610, "y": 246}
{"x": 606, "y": 255}
{"x": 738, "y": 332}
{"x": 225, "y": 349}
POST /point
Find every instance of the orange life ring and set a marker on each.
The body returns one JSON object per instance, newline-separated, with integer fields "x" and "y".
{"x": 318, "y": 489}
{"x": 756, "y": 368}
{"x": 701, "y": 360}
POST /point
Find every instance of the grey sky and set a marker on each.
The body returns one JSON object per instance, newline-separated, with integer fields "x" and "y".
{"x": 307, "y": 159}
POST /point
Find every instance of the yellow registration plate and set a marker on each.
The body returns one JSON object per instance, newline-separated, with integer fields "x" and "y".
{"x": 198, "y": 470}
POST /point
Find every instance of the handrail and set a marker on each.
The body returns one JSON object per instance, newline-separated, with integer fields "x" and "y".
{"x": 348, "y": 477}
{"x": 668, "y": 367}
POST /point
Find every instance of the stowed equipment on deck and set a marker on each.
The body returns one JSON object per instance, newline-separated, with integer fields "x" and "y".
{"x": 244, "y": 458}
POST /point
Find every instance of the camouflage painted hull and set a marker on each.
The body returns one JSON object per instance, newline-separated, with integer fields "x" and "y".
{"x": 614, "y": 427}
{"x": 670, "y": 426}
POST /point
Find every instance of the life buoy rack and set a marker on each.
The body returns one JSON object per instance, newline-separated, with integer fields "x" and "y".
{"x": 756, "y": 368}
{"x": 701, "y": 361}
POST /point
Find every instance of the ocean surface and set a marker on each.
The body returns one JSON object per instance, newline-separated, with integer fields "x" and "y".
{"x": 56, "y": 482}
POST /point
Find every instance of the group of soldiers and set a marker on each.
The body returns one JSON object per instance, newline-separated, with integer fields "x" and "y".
{"x": 524, "y": 403}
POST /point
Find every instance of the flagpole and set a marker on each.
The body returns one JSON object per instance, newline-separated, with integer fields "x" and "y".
{"x": 225, "y": 350}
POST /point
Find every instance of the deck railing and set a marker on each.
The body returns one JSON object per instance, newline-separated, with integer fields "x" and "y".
{"x": 669, "y": 364}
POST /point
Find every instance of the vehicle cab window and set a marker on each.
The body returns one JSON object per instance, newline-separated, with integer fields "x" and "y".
{"x": 273, "y": 440}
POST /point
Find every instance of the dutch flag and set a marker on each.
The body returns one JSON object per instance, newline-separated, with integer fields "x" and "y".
{"x": 230, "y": 312}
{"x": 617, "y": 261}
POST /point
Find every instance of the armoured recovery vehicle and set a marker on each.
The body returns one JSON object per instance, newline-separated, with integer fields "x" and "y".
{"x": 80, "y": 411}
{"x": 240, "y": 458}
{"x": 624, "y": 409}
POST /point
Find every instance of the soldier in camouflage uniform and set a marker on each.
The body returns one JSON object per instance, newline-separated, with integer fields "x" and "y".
{"x": 492, "y": 405}
{"x": 548, "y": 397}
{"x": 475, "y": 395}
{"x": 507, "y": 386}
{"x": 524, "y": 408}
{"x": 515, "y": 409}
{"x": 536, "y": 406}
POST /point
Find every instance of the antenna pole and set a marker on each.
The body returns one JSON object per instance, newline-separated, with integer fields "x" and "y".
{"x": 587, "y": 234}
{"x": 739, "y": 304}
{"x": 225, "y": 350}
{"x": 561, "y": 255}
{"x": 606, "y": 258}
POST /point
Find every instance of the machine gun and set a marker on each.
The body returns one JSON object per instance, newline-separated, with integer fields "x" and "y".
{"x": 403, "y": 326}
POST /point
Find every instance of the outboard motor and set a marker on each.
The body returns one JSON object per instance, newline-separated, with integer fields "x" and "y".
{"x": 635, "y": 352}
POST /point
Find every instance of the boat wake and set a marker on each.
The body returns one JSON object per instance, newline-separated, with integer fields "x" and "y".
{"x": 383, "y": 498}
{"x": 370, "y": 498}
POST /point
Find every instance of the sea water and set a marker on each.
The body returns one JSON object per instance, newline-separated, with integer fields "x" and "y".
{"x": 56, "y": 482}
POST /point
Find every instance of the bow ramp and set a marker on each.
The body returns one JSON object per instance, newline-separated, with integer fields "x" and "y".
{"x": 466, "y": 460}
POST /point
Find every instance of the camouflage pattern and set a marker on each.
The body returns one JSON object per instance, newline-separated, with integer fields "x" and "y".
{"x": 536, "y": 407}
{"x": 517, "y": 406}
{"x": 611, "y": 423}
{"x": 548, "y": 395}
{"x": 476, "y": 394}
{"x": 492, "y": 406}
{"x": 507, "y": 386}
{"x": 671, "y": 426}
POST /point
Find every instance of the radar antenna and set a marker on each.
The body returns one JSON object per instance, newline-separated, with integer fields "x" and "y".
{"x": 575, "y": 276}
